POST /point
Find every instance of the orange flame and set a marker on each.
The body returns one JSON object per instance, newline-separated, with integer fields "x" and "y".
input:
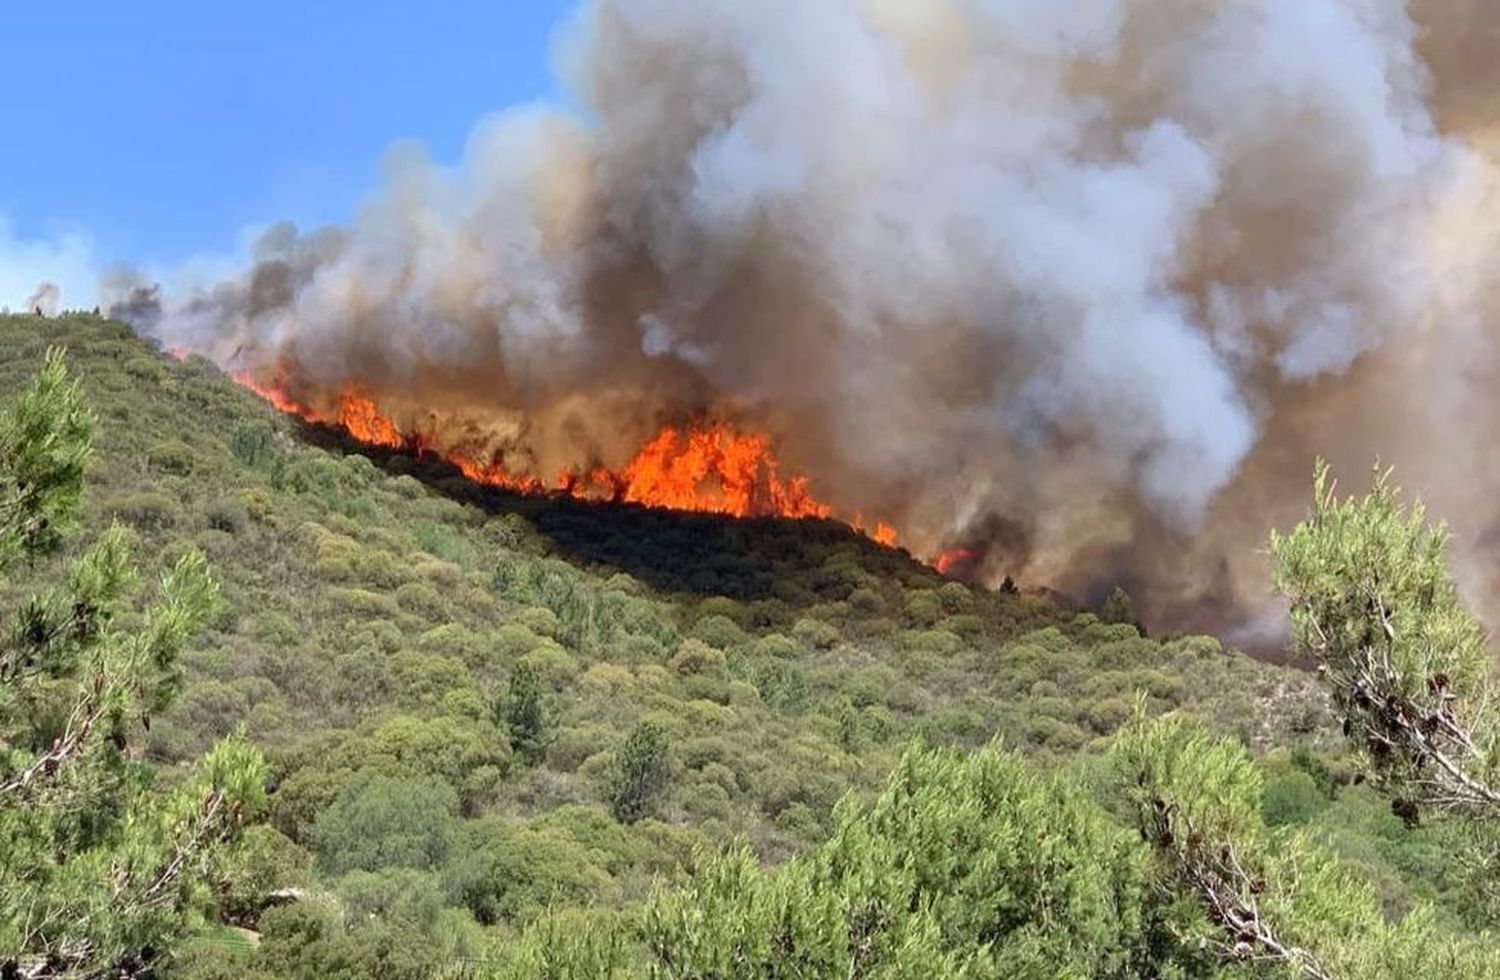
{"x": 715, "y": 469}
{"x": 359, "y": 417}
{"x": 949, "y": 561}
{"x": 709, "y": 468}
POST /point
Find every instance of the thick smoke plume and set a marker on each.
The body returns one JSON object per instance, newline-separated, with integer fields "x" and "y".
{"x": 1082, "y": 285}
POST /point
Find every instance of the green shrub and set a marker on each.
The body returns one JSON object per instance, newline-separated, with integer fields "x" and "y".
{"x": 253, "y": 443}
{"x": 147, "y": 511}
{"x": 1291, "y": 797}
{"x": 386, "y": 823}
{"x": 816, "y": 634}
{"x": 539, "y": 620}
{"x": 421, "y": 599}
{"x": 923, "y": 607}
{"x": 939, "y": 642}
{"x": 174, "y": 457}
{"x": 774, "y": 646}
{"x": 955, "y": 598}
{"x": 696, "y": 657}
{"x": 782, "y": 686}
{"x": 719, "y": 631}
{"x": 228, "y": 514}
{"x": 557, "y": 668}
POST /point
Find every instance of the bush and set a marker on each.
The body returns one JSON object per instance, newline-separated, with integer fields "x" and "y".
{"x": 539, "y": 620}
{"x": 1292, "y": 797}
{"x": 696, "y": 657}
{"x": 253, "y": 443}
{"x": 147, "y": 511}
{"x": 816, "y": 634}
{"x": 173, "y": 457}
{"x": 229, "y": 515}
{"x": 955, "y": 598}
{"x": 923, "y": 608}
{"x": 512, "y": 873}
{"x": 1108, "y": 715}
{"x": 719, "y": 631}
{"x": 782, "y": 685}
{"x": 939, "y": 642}
{"x": 386, "y": 823}
{"x": 557, "y": 668}
{"x": 421, "y": 599}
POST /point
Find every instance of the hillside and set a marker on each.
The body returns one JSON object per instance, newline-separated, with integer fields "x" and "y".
{"x": 446, "y": 677}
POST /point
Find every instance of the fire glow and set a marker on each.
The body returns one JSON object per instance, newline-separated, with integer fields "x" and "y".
{"x": 710, "y": 467}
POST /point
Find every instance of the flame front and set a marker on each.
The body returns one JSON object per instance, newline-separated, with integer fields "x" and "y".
{"x": 711, "y": 468}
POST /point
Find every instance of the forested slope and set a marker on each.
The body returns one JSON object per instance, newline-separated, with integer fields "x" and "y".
{"x": 482, "y": 710}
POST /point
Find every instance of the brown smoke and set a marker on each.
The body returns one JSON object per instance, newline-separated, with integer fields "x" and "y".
{"x": 1082, "y": 285}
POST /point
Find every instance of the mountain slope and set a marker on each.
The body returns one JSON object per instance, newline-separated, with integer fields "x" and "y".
{"x": 447, "y": 676}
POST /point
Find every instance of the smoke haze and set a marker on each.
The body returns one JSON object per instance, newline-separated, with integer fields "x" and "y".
{"x": 1084, "y": 286}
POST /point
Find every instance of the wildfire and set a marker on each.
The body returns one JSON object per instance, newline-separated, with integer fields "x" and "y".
{"x": 710, "y": 468}
{"x": 953, "y": 561}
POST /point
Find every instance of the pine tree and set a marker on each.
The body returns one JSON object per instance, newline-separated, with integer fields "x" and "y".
{"x": 1118, "y": 608}
{"x": 98, "y": 877}
{"x": 1407, "y": 663}
{"x": 524, "y": 713}
{"x": 641, "y": 773}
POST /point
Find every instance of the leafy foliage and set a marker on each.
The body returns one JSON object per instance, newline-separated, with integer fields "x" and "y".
{"x": 1373, "y": 600}
{"x": 98, "y": 873}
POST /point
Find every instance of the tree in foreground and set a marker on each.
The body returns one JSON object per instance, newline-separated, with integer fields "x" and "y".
{"x": 1407, "y": 663}
{"x": 99, "y": 871}
{"x": 980, "y": 866}
{"x": 1263, "y": 901}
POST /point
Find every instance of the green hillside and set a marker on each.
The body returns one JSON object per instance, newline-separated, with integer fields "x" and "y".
{"x": 490, "y": 716}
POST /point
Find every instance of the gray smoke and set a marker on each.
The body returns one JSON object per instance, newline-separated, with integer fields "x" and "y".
{"x": 46, "y": 299}
{"x": 1104, "y": 273}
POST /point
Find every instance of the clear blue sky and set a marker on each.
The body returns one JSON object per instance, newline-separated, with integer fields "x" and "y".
{"x": 159, "y": 129}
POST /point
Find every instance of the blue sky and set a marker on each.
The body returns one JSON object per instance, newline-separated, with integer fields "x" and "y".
{"x": 156, "y": 130}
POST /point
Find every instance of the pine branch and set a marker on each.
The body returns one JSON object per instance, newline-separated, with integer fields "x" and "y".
{"x": 1227, "y": 892}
